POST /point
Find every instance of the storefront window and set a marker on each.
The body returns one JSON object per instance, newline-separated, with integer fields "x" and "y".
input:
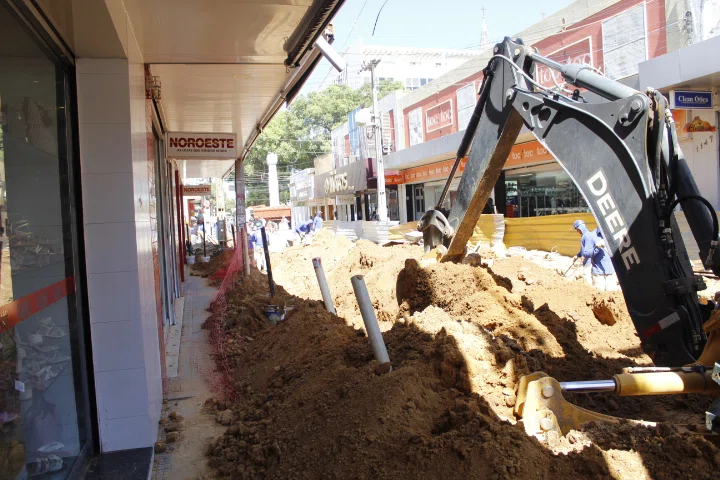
{"x": 42, "y": 411}
{"x": 450, "y": 197}
{"x": 541, "y": 191}
{"x": 393, "y": 202}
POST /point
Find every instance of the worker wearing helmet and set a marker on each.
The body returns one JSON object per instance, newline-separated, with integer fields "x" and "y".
{"x": 599, "y": 270}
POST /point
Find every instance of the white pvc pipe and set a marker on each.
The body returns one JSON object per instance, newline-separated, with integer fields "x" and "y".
{"x": 324, "y": 289}
{"x": 370, "y": 320}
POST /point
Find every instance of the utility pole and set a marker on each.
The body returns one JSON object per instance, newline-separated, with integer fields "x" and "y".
{"x": 376, "y": 122}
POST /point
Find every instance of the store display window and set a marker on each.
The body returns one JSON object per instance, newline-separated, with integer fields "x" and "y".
{"x": 541, "y": 191}
{"x": 43, "y": 411}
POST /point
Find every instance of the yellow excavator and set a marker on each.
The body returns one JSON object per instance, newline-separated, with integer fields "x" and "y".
{"x": 620, "y": 148}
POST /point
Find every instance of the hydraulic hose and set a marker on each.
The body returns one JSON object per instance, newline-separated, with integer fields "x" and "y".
{"x": 700, "y": 199}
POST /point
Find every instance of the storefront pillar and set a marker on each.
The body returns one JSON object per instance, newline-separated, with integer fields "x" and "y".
{"x": 240, "y": 216}
{"x": 181, "y": 230}
{"x": 119, "y": 251}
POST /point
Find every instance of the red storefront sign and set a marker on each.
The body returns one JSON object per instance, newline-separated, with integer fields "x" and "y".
{"x": 522, "y": 154}
{"x": 579, "y": 52}
{"x": 439, "y": 116}
{"x": 15, "y": 312}
{"x": 435, "y": 171}
{"x": 394, "y": 179}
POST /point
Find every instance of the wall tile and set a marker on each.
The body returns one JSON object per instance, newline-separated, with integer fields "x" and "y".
{"x": 144, "y": 246}
{"x": 103, "y": 98}
{"x": 121, "y": 393}
{"x": 142, "y": 197}
{"x": 107, "y": 198}
{"x": 126, "y": 433}
{"x": 117, "y": 346}
{"x": 110, "y": 247}
{"x": 105, "y": 148}
{"x": 114, "y": 297}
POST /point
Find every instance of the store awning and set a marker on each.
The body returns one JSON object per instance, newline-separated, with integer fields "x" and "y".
{"x": 227, "y": 65}
{"x": 694, "y": 66}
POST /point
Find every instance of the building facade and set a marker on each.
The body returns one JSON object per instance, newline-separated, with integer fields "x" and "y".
{"x": 635, "y": 42}
{"x": 413, "y": 67}
{"x": 92, "y": 230}
{"x": 625, "y": 40}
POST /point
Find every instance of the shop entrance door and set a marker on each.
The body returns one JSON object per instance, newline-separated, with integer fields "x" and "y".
{"x": 163, "y": 220}
{"x": 409, "y": 203}
{"x": 46, "y": 419}
{"x": 419, "y": 198}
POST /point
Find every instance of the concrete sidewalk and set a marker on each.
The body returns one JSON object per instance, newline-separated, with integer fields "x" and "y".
{"x": 187, "y": 391}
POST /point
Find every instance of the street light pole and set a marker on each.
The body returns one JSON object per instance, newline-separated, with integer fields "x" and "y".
{"x": 377, "y": 127}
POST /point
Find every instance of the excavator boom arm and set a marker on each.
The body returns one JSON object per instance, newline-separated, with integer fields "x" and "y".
{"x": 630, "y": 185}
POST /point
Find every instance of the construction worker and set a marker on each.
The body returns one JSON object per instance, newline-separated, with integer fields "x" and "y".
{"x": 258, "y": 249}
{"x": 318, "y": 222}
{"x": 304, "y": 228}
{"x": 606, "y": 277}
{"x": 599, "y": 270}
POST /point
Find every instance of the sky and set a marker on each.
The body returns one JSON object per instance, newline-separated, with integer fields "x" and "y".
{"x": 429, "y": 23}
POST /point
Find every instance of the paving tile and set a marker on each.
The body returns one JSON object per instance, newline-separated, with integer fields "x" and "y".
{"x": 195, "y": 368}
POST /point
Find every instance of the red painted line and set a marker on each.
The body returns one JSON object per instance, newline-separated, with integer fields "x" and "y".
{"x": 652, "y": 330}
{"x": 15, "y": 312}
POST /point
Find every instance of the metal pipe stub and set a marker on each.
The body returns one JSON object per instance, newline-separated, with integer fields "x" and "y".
{"x": 651, "y": 383}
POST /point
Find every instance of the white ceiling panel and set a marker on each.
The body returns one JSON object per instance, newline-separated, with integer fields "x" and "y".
{"x": 214, "y": 31}
{"x": 220, "y": 62}
{"x": 218, "y": 98}
{"x": 204, "y": 168}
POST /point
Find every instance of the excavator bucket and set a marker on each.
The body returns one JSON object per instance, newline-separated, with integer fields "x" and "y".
{"x": 545, "y": 412}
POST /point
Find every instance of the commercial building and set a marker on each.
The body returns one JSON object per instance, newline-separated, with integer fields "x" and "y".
{"x": 627, "y": 40}
{"x": 413, "y": 67}
{"x": 637, "y": 43}
{"x": 91, "y": 211}
{"x": 301, "y": 194}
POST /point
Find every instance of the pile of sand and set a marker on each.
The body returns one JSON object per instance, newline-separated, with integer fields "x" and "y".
{"x": 311, "y": 404}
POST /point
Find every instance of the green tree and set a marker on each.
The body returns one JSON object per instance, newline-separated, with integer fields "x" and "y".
{"x": 300, "y": 133}
{"x": 385, "y": 88}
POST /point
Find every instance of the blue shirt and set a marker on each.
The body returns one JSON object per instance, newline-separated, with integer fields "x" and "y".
{"x": 256, "y": 239}
{"x": 304, "y": 227}
{"x": 594, "y": 255}
{"x": 317, "y": 223}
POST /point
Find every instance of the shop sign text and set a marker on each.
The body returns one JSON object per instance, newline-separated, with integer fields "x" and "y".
{"x": 439, "y": 116}
{"x": 196, "y": 190}
{"x": 337, "y": 183}
{"x": 688, "y": 99}
{"x": 201, "y": 145}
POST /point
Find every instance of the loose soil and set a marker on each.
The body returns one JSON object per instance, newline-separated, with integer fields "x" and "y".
{"x": 312, "y": 403}
{"x": 215, "y": 269}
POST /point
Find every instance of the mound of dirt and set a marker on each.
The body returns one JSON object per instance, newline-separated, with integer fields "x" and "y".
{"x": 341, "y": 260}
{"x": 293, "y": 267}
{"x": 311, "y": 404}
{"x": 217, "y": 263}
